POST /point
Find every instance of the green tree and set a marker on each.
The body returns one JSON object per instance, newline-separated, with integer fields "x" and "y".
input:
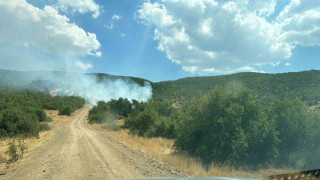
{"x": 65, "y": 110}
{"x": 141, "y": 123}
{"x": 297, "y": 131}
{"x": 223, "y": 127}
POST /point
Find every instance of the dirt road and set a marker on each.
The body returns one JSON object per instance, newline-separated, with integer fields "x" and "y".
{"x": 78, "y": 151}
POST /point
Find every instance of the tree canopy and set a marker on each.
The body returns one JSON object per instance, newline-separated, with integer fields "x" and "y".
{"x": 22, "y": 112}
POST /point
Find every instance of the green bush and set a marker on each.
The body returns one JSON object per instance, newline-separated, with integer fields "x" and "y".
{"x": 156, "y": 118}
{"x": 142, "y": 122}
{"x": 121, "y": 106}
{"x": 233, "y": 128}
{"x": 162, "y": 127}
{"x": 41, "y": 115}
{"x": 21, "y": 112}
{"x": 112, "y": 110}
{"x": 65, "y": 110}
{"x": 44, "y": 127}
{"x": 12, "y": 152}
{"x": 297, "y": 132}
{"x": 102, "y": 115}
{"x": 15, "y": 121}
{"x": 49, "y": 119}
{"x": 227, "y": 128}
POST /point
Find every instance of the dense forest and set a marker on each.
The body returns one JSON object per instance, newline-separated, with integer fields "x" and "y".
{"x": 22, "y": 111}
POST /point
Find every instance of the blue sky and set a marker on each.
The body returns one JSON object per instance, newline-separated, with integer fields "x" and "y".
{"x": 130, "y": 47}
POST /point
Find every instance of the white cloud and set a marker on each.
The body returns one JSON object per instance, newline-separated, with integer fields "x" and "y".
{"x": 287, "y": 64}
{"x": 116, "y": 17}
{"x": 258, "y": 71}
{"x": 80, "y": 6}
{"x": 221, "y": 36}
{"x": 83, "y": 66}
{"x": 300, "y": 22}
{"x": 123, "y": 35}
{"x": 98, "y": 54}
{"x": 206, "y": 36}
{"x": 275, "y": 64}
{"x": 109, "y": 26}
{"x": 44, "y": 29}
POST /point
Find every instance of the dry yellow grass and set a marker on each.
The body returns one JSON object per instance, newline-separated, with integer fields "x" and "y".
{"x": 33, "y": 142}
{"x": 3, "y": 148}
{"x": 55, "y": 117}
{"x": 163, "y": 149}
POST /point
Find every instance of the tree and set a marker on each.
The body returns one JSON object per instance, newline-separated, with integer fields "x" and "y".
{"x": 141, "y": 123}
{"x": 22, "y": 111}
{"x": 226, "y": 127}
{"x": 65, "y": 110}
{"x": 297, "y": 131}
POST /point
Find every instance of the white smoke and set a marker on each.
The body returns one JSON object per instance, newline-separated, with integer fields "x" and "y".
{"x": 91, "y": 88}
{"x": 45, "y": 39}
{"x": 88, "y": 88}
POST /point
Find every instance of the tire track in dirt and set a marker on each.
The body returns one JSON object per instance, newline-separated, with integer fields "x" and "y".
{"x": 105, "y": 156}
{"x": 94, "y": 152}
{"x": 78, "y": 151}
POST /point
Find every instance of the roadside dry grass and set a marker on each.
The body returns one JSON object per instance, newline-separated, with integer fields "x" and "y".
{"x": 32, "y": 142}
{"x": 163, "y": 149}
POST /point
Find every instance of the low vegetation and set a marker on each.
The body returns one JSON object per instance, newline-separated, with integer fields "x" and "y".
{"x": 233, "y": 128}
{"x": 157, "y": 118}
{"x": 22, "y": 112}
{"x": 230, "y": 127}
{"x": 163, "y": 149}
{"x": 16, "y": 151}
{"x": 106, "y": 113}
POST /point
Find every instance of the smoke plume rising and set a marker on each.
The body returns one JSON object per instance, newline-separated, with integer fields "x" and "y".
{"x": 93, "y": 90}
{"x": 92, "y": 87}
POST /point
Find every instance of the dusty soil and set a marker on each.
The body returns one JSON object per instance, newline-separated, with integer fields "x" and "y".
{"x": 77, "y": 151}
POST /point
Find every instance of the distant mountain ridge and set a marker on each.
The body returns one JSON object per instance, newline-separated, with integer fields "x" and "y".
{"x": 304, "y": 85}
{"x": 23, "y": 79}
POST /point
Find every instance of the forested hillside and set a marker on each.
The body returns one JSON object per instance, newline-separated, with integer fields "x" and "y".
{"x": 42, "y": 80}
{"x": 303, "y": 85}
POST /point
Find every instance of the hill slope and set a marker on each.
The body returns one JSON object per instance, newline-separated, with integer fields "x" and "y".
{"x": 39, "y": 79}
{"x": 304, "y": 85}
